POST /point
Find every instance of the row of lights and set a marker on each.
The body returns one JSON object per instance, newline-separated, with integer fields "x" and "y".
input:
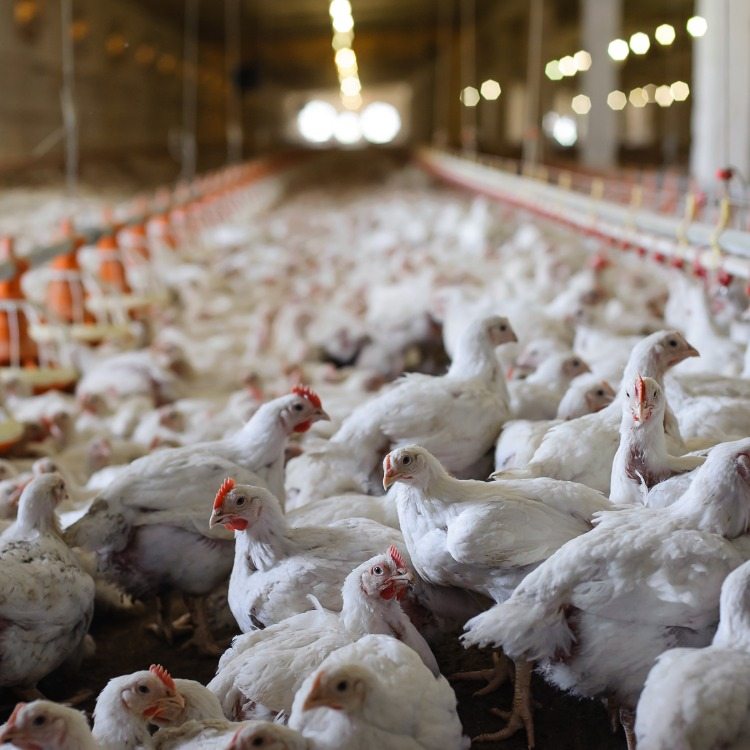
{"x": 639, "y": 97}
{"x": 619, "y": 49}
{"x": 665, "y": 34}
{"x": 568, "y": 66}
{"x": 342, "y": 21}
{"x": 489, "y": 90}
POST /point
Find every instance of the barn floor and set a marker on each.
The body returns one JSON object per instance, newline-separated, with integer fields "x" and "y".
{"x": 124, "y": 645}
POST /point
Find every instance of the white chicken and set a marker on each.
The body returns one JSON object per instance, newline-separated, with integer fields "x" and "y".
{"x": 457, "y": 416}
{"x": 46, "y": 597}
{"x": 700, "y": 698}
{"x": 259, "y": 675}
{"x": 582, "y": 450}
{"x": 277, "y": 567}
{"x": 227, "y": 735}
{"x": 598, "y": 612}
{"x": 642, "y": 460}
{"x": 538, "y": 396}
{"x": 375, "y": 694}
{"x": 44, "y": 725}
{"x": 142, "y": 525}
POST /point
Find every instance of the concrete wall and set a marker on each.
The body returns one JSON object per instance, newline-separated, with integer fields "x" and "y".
{"x": 124, "y": 108}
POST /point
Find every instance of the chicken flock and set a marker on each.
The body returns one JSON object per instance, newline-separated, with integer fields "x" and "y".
{"x": 375, "y": 417}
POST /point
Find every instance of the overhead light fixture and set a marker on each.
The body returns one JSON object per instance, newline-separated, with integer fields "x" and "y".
{"x": 552, "y": 70}
{"x": 345, "y": 58}
{"x": 380, "y": 122}
{"x": 490, "y": 89}
{"x": 680, "y": 91}
{"x": 618, "y": 49}
{"x": 350, "y": 86}
{"x": 316, "y": 121}
{"x": 581, "y": 104}
{"x": 582, "y": 60}
{"x": 697, "y": 26}
{"x": 617, "y": 100}
{"x": 665, "y": 34}
{"x": 347, "y": 129}
{"x": 568, "y": 66}
{"x": 339, "y": 8}
{"x": 663, "y": 96}
{"x": 640, "y": 43}
{"x": 469, "y": 96}
{"x": 637, "y": 97}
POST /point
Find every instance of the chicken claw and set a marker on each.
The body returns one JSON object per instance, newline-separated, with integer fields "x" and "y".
{"x": 202, "y": 639}
{"x": 495, "y": 677}
{"x": 521, "y": 715}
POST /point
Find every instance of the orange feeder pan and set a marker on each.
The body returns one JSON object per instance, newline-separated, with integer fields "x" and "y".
{"x": 16, "y": 346}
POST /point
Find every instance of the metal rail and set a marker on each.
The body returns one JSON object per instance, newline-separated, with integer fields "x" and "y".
{"x": 712, "y": 246}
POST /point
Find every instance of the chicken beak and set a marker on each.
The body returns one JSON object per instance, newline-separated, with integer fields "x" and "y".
{"x": 322, "y": 416}
{"x": 691, "y": 351}
{"x": 389, "y": 478}
{"x": 166, "y": 709}
{"x": 10, "y": 736}
{"x": 317, "y": 698}
{"x": 217, "y": 518}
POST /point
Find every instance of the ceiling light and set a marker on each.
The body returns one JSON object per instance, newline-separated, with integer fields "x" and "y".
{"x": 350, "y": 86}
{"x": 582, "y": 60}
{"x": 345, "y": 58}
{"x": 339, "y": 8}
{"x": 697, "y": 26}
{"x": 343, "y": 24}
{"x": 680, "y": 91}
{"x": 638, "y": 98}
{"x": 665, "y": 34}
{"x": 552, "y": 70}
{"x": 581, "y": 104}
{"x": 664, "y": 96}
{"x": 568, "y": 66}
{"x": 380, "y": 122}
{"x": 640, "y": 43}
{"x": 490, "y": 89}
{"x": 565, "y": 131}
{"x": 316, "y": 121}
{"x": 618, "y": 49}
{"x": 347, "y": 129}
{"x": 617, "y": 100}
{"x": 469, "y": 96}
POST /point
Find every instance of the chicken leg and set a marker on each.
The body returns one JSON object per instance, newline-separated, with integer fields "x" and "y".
{"x": 202, "y": 638}
{"x": 495, "y": 677}
{"x": 164, "y": 628}
{"x": 521, "y": 715}
{"x": 627, "y": 719}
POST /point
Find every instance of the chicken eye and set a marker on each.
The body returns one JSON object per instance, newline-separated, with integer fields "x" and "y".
{"x": 143, "y": 689}
{"x": 240, "y": 500}
{"x": 39, "y": 721}
{"x": 627, "y": 395}
{"x": 342, "y": 686}
{"x": 672, "y": 343}
{"x": 503, "y": 327}
{"x": 600, "y": 392}
{"x": 576, "y": 363}
{"x": 297, "y": 407}
{"x": 406, "y": 460}
{"x": 377, "y": 570}
{"x": 257, "y": 742}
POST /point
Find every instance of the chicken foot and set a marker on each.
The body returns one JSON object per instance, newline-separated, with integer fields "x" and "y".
{"x": 521, "y": 715}
{"x": 202, "y": 639}
{"x": 495, "y": 677}
{"x": 164, "y": 628}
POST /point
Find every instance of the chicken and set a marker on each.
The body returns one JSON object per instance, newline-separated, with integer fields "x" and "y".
{"x": 375, "y": 694}
{"x": 642, "y": 460}
{"x": 227, "y": 735}
{"x": 46, "y": 598}
{"x": 484, "y": 536}
{"x": 259, "y": 675}
{"x": 43, "y": 725}
{"x": 582, "y": 450}
{"x": 598, "y": 612}
{"x": 276, "y": 566}
{"x": 127, "y": 705}
{"x": 521, "y": 437}
{"x": 539, "y": 395}
{"x": 340, "y": 507}
{"x": 700, "y": 698}
{"x": 149, "y": 527}
{"x": 457, "y": 416}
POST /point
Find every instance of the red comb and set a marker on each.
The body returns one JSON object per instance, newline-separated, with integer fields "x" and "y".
{"x": 17, "y": 710}
{"x": 396, "y": 556}
{"x": 309, "y": 394}
{"x": 163, "y": 675}
{"x": 640, "y": 389}
{"x": 226, "y": 486}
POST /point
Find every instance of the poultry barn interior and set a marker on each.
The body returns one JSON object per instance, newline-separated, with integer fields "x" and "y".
{"x": 375, "y": 374}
